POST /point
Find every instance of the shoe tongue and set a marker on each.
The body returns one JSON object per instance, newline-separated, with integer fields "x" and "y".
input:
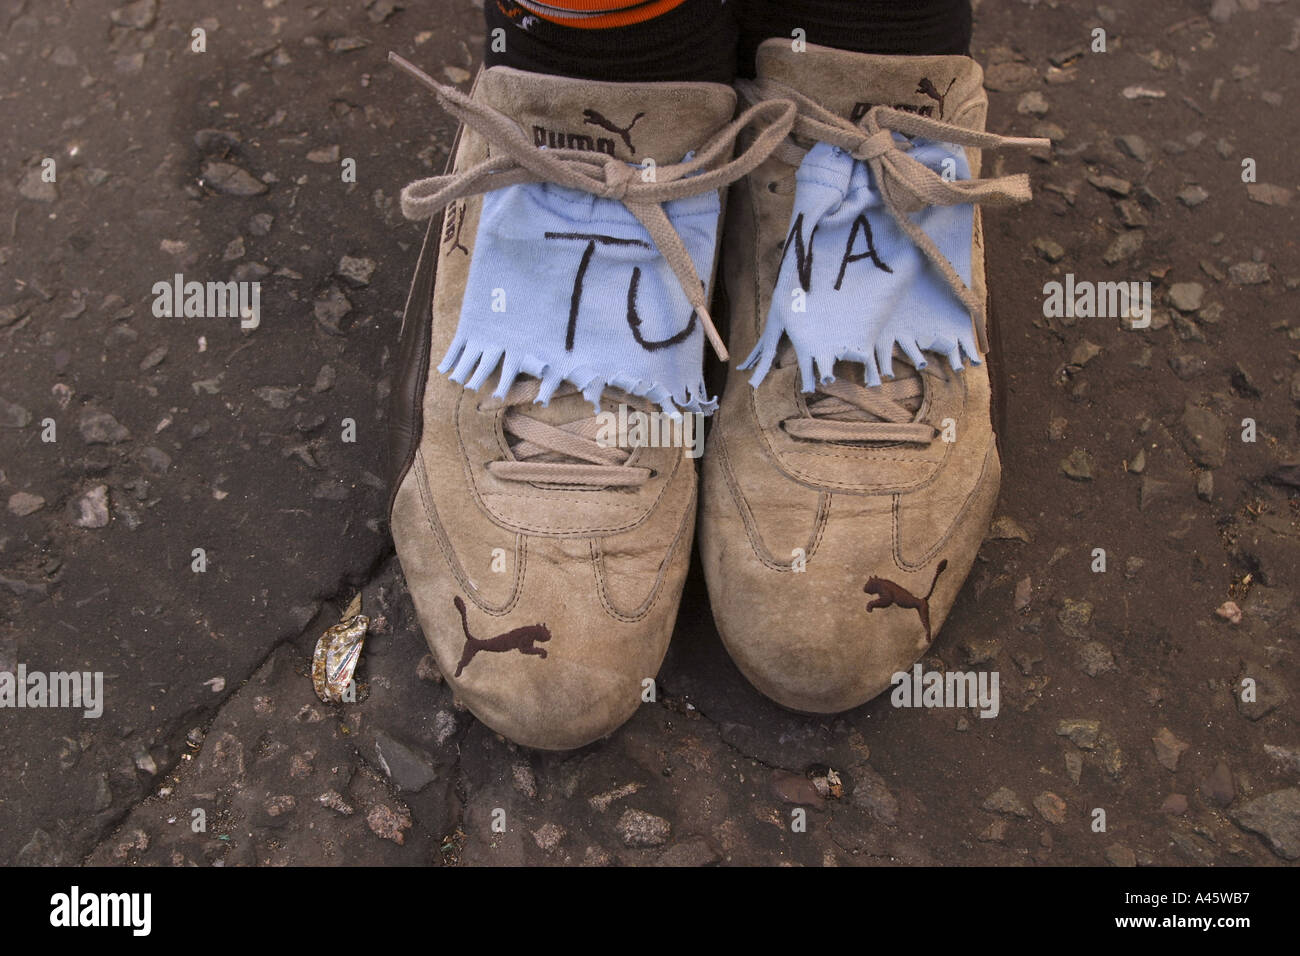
{"x": 848, "y": 84}
{"x": 630, "y": 121}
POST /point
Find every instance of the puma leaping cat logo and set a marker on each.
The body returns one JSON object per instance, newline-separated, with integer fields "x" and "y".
{"x": 892, "y": 594}
{"x": 926, "y": 88}
{"x": 521, "y": 639}
{"x": 593, "y": 118}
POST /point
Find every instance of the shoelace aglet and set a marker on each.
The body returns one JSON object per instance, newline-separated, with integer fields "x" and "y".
{"x": 1028, "y": 142}
{"x": 407, "y": 66}
{"x": 711, "y": 331}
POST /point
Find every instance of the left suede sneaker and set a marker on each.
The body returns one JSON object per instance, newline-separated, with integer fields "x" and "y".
{"x": 850, "y": 476}
{"x": 561, "y": 298}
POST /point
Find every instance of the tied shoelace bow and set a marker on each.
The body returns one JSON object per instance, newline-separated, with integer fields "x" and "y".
{"x": 838, "y": 410}
{"x": 517, "y": 161}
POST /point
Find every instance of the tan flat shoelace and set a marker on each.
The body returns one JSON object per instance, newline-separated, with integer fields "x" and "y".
{"x": 516, "y": 161}
{"x": 844, "y": 410}
{"x": 519, "y": 161}
{"x": 594, "y": 464}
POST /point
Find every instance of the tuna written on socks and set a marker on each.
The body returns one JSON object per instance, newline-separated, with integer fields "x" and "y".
{"x": 853, "y": 285}
{"x": 566, "y": 286}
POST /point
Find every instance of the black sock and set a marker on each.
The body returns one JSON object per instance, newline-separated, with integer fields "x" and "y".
{"x": 694, "y": 41}
{"x": 864, "y": 26}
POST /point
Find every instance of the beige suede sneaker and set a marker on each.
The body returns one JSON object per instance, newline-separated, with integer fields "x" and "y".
{"x": 842, "y": 506}
{"x": 544, "y": 546}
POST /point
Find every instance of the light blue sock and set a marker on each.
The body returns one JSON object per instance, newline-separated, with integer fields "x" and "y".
{"x": 862, "y": 283}
{"x": 625, "y": 324}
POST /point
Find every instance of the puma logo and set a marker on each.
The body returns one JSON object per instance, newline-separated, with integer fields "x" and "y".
{"x": 522, "y": 639}
{"x": 592, "y": 118}
{"x": 891, "y": 594}
{"x": 926, "y": 88}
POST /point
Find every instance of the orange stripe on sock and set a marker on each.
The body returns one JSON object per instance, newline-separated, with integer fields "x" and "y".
{"x": 616, "y": 13}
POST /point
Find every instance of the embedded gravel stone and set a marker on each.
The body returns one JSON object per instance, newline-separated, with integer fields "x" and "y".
{"x": 548, "y": 836}
{"x": 101, "y": 428}
{"x": 1009, "y": 77}
{"x": 1078, "y": 465}
{"x": 1275, "y": 817}
{"x": 694, "y": 852}
{"x": 1218, "y": 787}
{"x": 1186, "y": 296}
{"x": 1120, "y": 855}
{"x": 1113, "y": 185}
{"x": 90, "y": 509}
{"x": 330, "y": 310}
{"x": 1095, "y": 658}
{"x": 1074, "y": 617}
{"x": 1248, "y": 273}
{"x": 1204, "y": 436}
{"x": 1004, "y": 800}
{"x": 22, "y": 503}
{"x": 1134, "y": 146}
{"x": 1049, "y": 249}
{"x": 13, "y": 415}
{"x": 260, "y": 224}
{"x": 1050, "y": 807}
{"x": 640, "y": 829}
{"x": 1081, "y": 732}
{"x": 1124, "y": 246}
{"x": 139, "y": 15}
{"x": 1033, "y": 103}
{"x": 231, "y": 180}
{"x": 871, "y": 793}
{"x": 795, "y": 788}
{"x": 1168, "y": 748}
{"x": 34, "y": 187}
{"x": 410, "y": 768}
{"x": 1268, "y": 194}
{"x": 356, "y": 271}
{"x": 388, "y": 824}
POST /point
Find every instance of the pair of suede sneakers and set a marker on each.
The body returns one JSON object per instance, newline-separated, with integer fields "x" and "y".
{"x": 839, "y": 511}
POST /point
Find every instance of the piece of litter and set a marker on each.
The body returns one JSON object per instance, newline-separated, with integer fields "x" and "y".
{"x": 1230, "y": 612}
{"x": 218, "y": 684}
{"x": 337, "y": 653}
{"x": 353, "y": 609}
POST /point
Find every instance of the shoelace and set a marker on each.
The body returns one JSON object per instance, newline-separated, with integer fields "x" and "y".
{"x": 518, "y": 161}
{"x": 601, "y": 465}
{"x": 905, "y": 186}
{"x": 844, "y": 411}
{"x": 598, "y": 174}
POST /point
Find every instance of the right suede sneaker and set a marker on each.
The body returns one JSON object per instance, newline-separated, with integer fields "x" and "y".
{"x": 850, "y": 477}
{"x": 565, "y": 285}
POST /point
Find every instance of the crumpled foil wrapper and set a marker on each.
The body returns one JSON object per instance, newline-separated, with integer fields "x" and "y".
{"x": 337, "y": 654}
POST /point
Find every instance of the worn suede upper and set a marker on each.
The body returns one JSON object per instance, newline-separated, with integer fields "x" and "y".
{"x": 797, "y": 536}
{"x": 569, "y": 593}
